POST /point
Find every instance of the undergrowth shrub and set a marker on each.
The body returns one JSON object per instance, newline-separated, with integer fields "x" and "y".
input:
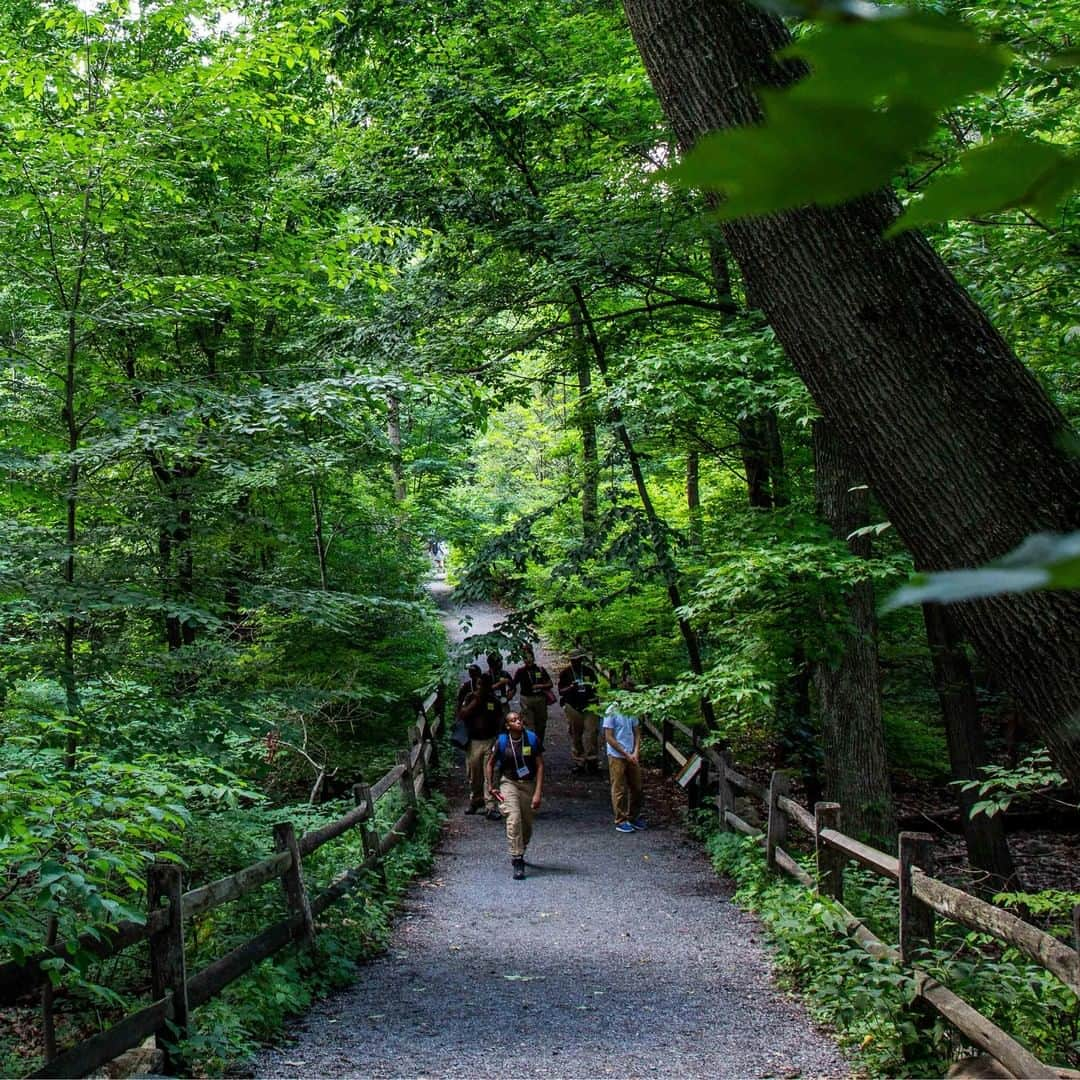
{"x": 866, "y": 1001}
{"x": 254, "y": 1009}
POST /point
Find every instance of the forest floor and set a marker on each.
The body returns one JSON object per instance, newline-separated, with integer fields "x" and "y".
{"x": 619, "y": 955}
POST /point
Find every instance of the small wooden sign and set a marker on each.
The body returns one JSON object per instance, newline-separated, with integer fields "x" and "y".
{"x": 687, "y": 773}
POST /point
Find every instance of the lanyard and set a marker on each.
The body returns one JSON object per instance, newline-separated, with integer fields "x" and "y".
{"x": 519, "y": 762}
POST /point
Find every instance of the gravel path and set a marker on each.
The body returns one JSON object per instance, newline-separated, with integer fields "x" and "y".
{"x": 617, "y": 956}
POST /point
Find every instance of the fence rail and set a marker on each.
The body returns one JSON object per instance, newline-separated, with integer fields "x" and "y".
{"x": 175, "y": 993}
{"x": 922, "y": 896}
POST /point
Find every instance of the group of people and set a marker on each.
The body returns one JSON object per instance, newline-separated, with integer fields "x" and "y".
{"x": 504, "y": 755}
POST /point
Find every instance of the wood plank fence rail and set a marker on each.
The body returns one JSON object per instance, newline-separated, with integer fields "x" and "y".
{"x": 921, "y": 895}
{"x": 177, "y": 993}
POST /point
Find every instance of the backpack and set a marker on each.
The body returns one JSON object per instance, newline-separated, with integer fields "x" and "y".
{"x": 502, "y": 746}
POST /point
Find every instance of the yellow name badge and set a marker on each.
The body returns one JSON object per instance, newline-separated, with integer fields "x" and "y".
{"x": 526, "y": 749}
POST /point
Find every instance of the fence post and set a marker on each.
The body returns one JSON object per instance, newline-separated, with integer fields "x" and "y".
{"x": 830, "y": 862}
{"x": 703, "y": 781}
{"x": 168, "y": 970}
{"x": 693, "y": 792}
{"x": 725, "y": 798}
{"x": 667, "y": 735}
{"x": 1076, "y": 938}
{"x": 408, "y": 791}
{"x": 423, "y": 729}
{"x": 916, "y": 919}
{"x": 776, "y": 830}
{"x": 440, "y": 705}
{"x": 369, "y": 833}
{"x": 429, "y": 732}
{"x": 292, "y": 880}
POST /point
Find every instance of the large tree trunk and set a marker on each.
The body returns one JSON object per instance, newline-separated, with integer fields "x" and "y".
{"x": 987, "y": 848}
{"x": 953, "y": 433}
{"x": 849, "y": 693}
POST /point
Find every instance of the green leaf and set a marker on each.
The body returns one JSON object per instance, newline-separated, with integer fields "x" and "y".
{"x": 808, "y": 152}
{"x": 1042, "y": 561}
{"x": 1011, "y": 171}
{"x": 915, "y": 59}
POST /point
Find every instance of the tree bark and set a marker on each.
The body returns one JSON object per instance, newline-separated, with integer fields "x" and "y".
{"x": 393, "y": 435}
{"x": 849, "y": 691}
{"x": 987, "y": 846}
{"x": 755, "y": 460}
{"x": 693, "y": 497}
{"x": 956, "y": 437}
{"x": 320, "y": 544}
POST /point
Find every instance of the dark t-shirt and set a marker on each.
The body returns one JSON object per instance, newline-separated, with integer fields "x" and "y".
{"x": 506, "y": 692}
{"x": 527, "y": 676}
{"x": 483, "y": 717}
{"x": 513, "y": 755}
{"x": 577, "y": 686}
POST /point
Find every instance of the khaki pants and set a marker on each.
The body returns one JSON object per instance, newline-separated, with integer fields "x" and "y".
{"x": 534, "y": 713}
{"x": 475, "y": 760}
{"x": 625, "y": 789}
{"x": 516, "y": 808}
{"x": 584, "y": 733}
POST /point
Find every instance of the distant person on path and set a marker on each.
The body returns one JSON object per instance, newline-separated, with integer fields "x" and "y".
{"x": 578, "y": 695}
{"x": 469, "y": 686}
{"x": 482, "y": 718}
{"x": 533, "y": 683}
{"x": 501, "y": 680}
{"x": 518, "y": 757}
{"x": 622, "y": 735}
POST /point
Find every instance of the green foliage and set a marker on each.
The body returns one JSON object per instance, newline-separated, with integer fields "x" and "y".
{"x": 866, "y": 1000}
{"x": 1014, "y": 171}
{"x": 1043, "y": 561}
{"x": 878, "y": 82}
{"x": 1001, "y": 785}
{"x": 253, "y": 1009}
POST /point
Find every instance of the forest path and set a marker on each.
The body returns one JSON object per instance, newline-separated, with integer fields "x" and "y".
{"x": 617, "y": 956}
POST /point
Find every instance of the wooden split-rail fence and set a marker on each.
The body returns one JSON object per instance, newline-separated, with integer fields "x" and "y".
{"x": 921, "y": 896}
{"x": 176, "y": 993}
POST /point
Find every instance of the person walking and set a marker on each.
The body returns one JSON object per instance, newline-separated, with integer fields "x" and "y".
{"x": 481, "y": 714}
{"x": 518, "y": 757}
{"x": 468, "y": 688}
{"x": 578, "y": 696}
{"x": 533, "y": 684}
{"x": 622, "y": 736}
{"x": 501, "y": 680}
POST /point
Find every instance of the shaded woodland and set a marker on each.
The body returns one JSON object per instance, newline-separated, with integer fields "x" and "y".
{"x": 694, "y": 330}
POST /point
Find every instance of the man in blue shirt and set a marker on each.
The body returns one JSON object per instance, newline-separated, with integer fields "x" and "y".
{"x": 622, "y": 734}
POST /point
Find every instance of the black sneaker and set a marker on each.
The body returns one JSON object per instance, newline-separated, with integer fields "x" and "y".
{"x": 519, "y": 869}
{"x": 493, "y": 815}
{"x": 475, "y": 809}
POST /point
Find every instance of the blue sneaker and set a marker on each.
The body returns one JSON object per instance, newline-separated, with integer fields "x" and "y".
{"x": 624, "y": 826}
{"x": 640, "y": 824}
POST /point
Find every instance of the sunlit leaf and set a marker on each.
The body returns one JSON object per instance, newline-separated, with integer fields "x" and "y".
{"x": 1043, "y": 561}
{"x": 914, "y": 59}
{"x": 807, "y": 152}
{"x": 1011, "y": 171}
